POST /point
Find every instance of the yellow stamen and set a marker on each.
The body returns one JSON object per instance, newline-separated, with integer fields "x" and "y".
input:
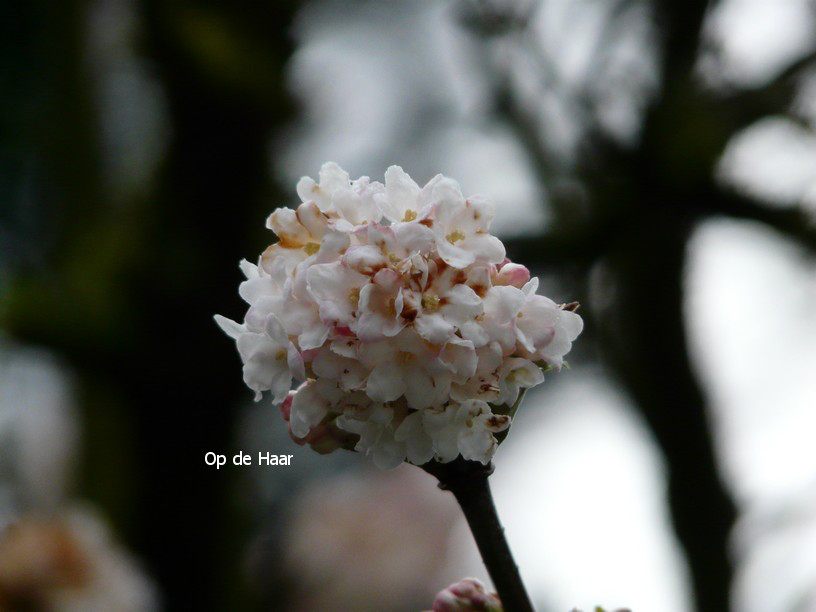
{"x": 311, "y": 248}
{"x": 393, "y": 258}
{"x": 354, "y": 295}
{"x": 430, "y": 302}
{"x": 410, "y": 215}
{"x": 455, "y": 236}
{"x": 280, "y": 355}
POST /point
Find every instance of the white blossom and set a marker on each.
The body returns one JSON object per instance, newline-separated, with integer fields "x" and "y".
{"x": 395, "y": 308}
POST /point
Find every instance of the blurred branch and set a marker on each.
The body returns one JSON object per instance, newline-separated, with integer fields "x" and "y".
{"x": 742, "y": 108}
{"x": 794, "y": 223}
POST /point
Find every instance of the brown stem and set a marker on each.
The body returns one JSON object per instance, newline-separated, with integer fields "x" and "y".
{"x": 467, "y": 480}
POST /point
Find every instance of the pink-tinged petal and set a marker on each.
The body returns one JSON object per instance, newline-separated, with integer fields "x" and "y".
{"x": 531, "y": 287}
{"x": 313, "y": 337}
{"x": 573, "y": 324}
{"x": 388, "y": 279}
{"x": 380, "y": 307}
{"x": 486, "y": 247}
{"x": 275, "y": 331}
{"x": 422, "y": 390}
{"x": 249, "y": 270}
{"x": 365, "y": 259}
{"x": 525, "y": 373}
{"x": 371, "y": 327}
{"x": 315, "y": 222}
{"x": 443, "y": 431}
{"x": 453, "y": 255}
{"x": 335, "y": 367}
{"x": 255, "y": 319}
{"x": 330, "y": 390}
{"x": 365, "y": 209}
{"x": 402, "y": 195}
{"x": 335, "y": 288}
{"x": 307, "y": 189}
{"x": 334, "y": 244}
{"x": 286, "y": 406}
{"x": 384, "y": 238}
{"x": 537, "y": 322}
{"x": 327, "y": 365}
{"x": 463, "y": 304}
{"x": 473, "y": 331}
{"x": 460, "y": 358}
{"x": 292, "y": 256}
{"x": 308, "y": 409}
{"x": 333, "y": 177}
{"x": 345, "y": 347}
{"x": 253, "y": 289}
{"x": 502, "y": 304}
{"x": 434, "y": 328}
{"x": 479, "y": 213}
{"x": 265, "y": 366}
{"x": 414, "y": 237}
{"x": 372, "y": 354}
{"x": 280, "y": 385}
{"x": 418, "y": 444}
{"x": 288, "y": 228}
{"x": 553, "y": 351}
{"x": 478, "y": 279}
{"x": 385, "y": 383}
{"x": 524, "y": 341}
{"x": 295, "y": 362}
{"x": 426, "y": 195}
{"x": 448, "y": 199}
{"x": 350, "y": 206}
{"x": 388, "y": 455}
{"x": 341, "y": 225}
{"x": 477, "y": 445}
{"x": 229, "y": 327}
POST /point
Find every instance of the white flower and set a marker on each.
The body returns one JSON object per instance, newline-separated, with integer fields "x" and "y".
{"x": 402, "y": 201}
{"x": 376, "y": 429}
{"x": 397, "y": 307}
{"x": 461, "y": 227}
{"x": 332, "y": 179}
{"x": 545, "y": 331}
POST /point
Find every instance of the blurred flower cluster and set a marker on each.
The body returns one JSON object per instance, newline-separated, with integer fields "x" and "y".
{"x": 396, "y": 308}
{"x": 56, "y": 553}
{"x": 69, "y": 562}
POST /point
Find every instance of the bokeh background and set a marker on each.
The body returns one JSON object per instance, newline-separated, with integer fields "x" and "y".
{"x": 654, "y": 160}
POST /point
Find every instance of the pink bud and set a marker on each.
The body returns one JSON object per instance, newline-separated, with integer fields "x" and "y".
{"x": 512, "y": 274}
{"x": 467, "y": 595}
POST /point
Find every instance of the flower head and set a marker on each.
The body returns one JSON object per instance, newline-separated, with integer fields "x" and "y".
{"x": 395, "y": 308}
{"x": 467, "y": 595}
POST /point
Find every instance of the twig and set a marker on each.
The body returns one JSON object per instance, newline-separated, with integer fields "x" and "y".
{"x": 467, "y": 480}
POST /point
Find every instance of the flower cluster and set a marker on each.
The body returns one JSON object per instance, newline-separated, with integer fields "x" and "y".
{"x": 410, "y": 331}
{"x": 467, "y": 595}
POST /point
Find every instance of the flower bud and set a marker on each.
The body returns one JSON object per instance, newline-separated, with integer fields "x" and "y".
{"x": 467, "y": 595}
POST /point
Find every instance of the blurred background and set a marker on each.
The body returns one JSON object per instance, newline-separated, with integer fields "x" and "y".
{"x": 654, "y": 160}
